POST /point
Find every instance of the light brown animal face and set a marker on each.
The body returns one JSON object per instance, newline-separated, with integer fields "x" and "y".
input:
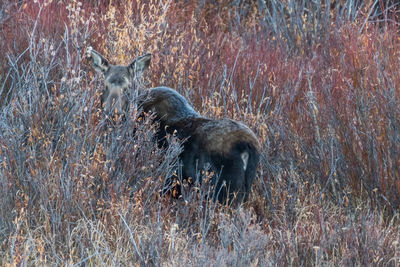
{"x": 118, "y": 80}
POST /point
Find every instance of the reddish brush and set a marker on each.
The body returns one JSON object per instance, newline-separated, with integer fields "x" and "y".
{"x": 317, "y": 84}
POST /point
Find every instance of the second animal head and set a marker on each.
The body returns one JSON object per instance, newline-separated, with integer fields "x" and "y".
{"x": 120, "y": 82}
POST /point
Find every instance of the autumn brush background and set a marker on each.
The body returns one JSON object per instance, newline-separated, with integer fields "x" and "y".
{"x": 317, "y": 81}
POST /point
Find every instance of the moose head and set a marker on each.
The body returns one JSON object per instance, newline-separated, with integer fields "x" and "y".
{"x": 119, "y": 80}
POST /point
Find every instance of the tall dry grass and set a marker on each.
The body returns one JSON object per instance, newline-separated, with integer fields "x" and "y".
{"x": 317, "y": 81}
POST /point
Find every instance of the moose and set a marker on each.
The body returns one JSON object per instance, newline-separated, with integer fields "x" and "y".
{"x": 227, "y": 148}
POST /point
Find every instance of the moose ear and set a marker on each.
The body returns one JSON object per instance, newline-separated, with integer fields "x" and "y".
{"x": 99, "y": 63}
{"x": 140, "y": 64}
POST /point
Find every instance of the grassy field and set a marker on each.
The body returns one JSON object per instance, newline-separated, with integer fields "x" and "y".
{"x": 317, "y": 81}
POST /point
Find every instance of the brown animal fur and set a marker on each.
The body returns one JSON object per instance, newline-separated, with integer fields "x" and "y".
{"x": 217, "y": 136}
{"x": 229, "y": 147}
{"x": 168, "y": 104}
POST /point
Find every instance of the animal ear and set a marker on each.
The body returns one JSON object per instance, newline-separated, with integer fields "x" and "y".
{"x": 140, "y": 64}
{"x": 99, "y": 63}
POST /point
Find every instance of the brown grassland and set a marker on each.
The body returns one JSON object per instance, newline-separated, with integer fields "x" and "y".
{"x": 317, "y": 81}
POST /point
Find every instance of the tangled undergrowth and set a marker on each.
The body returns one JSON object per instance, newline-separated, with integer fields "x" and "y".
{"x": 317, "y": 81}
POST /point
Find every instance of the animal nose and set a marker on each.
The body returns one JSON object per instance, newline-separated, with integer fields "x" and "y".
{"x": 114, "y": 104}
